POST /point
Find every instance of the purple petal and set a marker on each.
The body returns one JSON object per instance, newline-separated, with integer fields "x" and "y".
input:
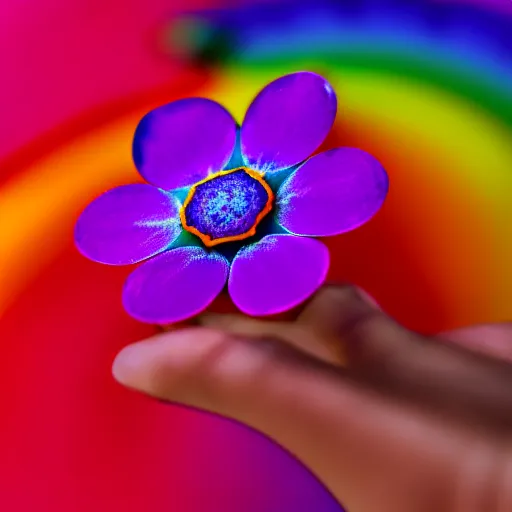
{"x": 333, "y": 192}
{"x": 287, "y": 121}
{"x": 175, "y": 285}
{"x": 178, "y": 144}
{"x": 277, "y": 273}
{"x": 128, "y": 224}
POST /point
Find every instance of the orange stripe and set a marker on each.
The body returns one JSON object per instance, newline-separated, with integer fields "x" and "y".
{"x": 38, "y": 208}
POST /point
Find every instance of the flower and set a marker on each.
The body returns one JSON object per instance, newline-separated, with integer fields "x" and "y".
{"x": 235, "y": 205}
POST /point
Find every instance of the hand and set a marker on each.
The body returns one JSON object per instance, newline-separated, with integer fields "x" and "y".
{"x": 389, "y": 420}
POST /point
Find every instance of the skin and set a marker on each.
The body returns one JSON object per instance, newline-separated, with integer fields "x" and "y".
{"x": 388, "y": 419}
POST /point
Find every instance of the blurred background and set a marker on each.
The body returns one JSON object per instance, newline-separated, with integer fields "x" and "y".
{"x": 424, "y": 85}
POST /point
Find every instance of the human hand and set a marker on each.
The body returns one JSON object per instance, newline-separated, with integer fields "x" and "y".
{"x": 389, "y": 420}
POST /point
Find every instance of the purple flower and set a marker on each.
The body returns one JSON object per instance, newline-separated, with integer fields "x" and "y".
{"x": 232, "y": 205}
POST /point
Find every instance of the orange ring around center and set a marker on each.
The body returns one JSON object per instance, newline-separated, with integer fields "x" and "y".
{"x": 206, "y": 239}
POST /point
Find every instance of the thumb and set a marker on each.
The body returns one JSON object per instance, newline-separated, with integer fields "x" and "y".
{"x": 245, "y": 378}
{"x": 261, "y": 382}
{"x": 321, "y": 415}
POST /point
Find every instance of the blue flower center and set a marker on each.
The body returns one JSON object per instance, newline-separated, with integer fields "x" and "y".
{"x": 227, "y": 206}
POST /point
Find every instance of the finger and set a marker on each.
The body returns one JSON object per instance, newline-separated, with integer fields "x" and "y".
{"x": 325, "y": 419}
{"x": 299, "y": 336}
{"x": 494, "y": 340}
{"x": 323, "y": 310}
{"x": 207, "y": 368}
{"x": 364, "y": 334}
{"x": 390, "y": 358}
{"x": 404, "y": 363}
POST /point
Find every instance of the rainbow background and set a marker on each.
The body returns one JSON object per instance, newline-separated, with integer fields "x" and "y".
{"x": 426, "y": 86}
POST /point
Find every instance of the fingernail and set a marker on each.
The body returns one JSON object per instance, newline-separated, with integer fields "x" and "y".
{"x": 130, "y": 362}
{"x": 126, "y": 364}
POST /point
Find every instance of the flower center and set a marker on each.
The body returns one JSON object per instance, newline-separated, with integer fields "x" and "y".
{"x": 226, "y": 206}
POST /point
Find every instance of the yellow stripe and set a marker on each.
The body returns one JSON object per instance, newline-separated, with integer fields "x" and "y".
{"x": 39, "y": 207}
